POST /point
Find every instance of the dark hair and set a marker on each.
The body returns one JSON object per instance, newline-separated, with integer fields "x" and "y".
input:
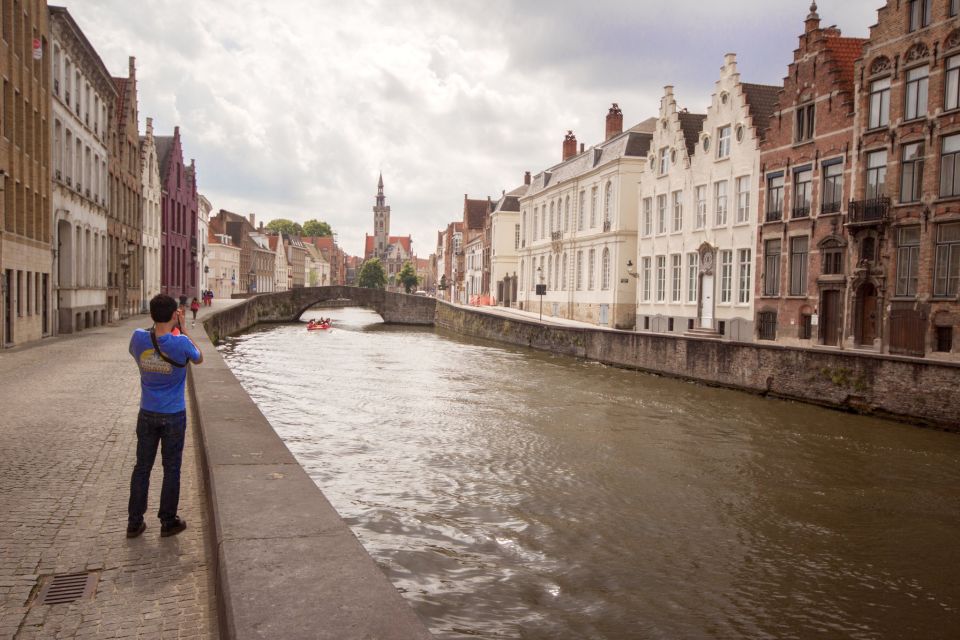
{"x": 162, "y": 308}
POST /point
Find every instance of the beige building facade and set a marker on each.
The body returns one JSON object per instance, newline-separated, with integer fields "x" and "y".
{"x": 151, "y": 193}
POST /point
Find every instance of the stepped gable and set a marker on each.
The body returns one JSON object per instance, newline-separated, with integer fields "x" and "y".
{"x": 475, "y": 213}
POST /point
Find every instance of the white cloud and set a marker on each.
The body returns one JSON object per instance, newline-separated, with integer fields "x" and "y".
{"x": 292, "y": 107}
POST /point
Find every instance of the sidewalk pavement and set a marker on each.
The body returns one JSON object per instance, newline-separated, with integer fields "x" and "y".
{"x": 531, "y": 316}
{"x": 67, "y": 448}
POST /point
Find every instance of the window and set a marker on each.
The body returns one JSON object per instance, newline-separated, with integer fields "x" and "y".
{"x": 726, "y": 274}
{"x": 607, "y": 204}
{"x": 550, "y": 273}
{"x": 771, "y": 268}
{"x": 563, "y": 273}
{"x": 832, "y": 194}
{"x": 662, "y": 214}
{"x": 946, "y": 280}
{"x": 879, "y": 103}
{"x": 950, "y": 166}
{"x": 676, "y": 276}
{"x": 661, "y": 278}
{"x": 677, "y": 210}
{"x": 775, "y": 197}
{"x": 591, "y": 267}
{"x": 581, "y": 210}
{"x": 645, "y": 271}
{"x": 647, "y": 216}
{"x": 701, "y": 195}
{"x": 720, "y": 202}
{"x": 954, "y": 7}
{"x": 877, "y": 174}
{"x": 593, "y": 207}
{"x": 579, "y": 270}
{"x": 743, "y": 257}
{"x": 916, "y": 93}
{"x": 919, "y": 13}
{"x": 516, "y": 237}
{"x": 952, "y": 82}
{"x": 605, "y": 269}
{"x": 566, "y": 214}
{"x": 552, "y": 221}
{"x": 743, "y": 199}
{"x": 802, "y": 191}
{"x": 908, "y": 258}
{"x": 536, "y": 224}
{"x": 693, "y": 273}
{"x": 798, "y": 265}
{"x": 767, "y": 325}
{"x": 523, "y": 229}
{"x": 664, "y": 161}
{"x": 831, "y": 258}
{"x": 911, "y": 172}
{"x": 805, "y": 330}
{"x": 944, "y": 339}
{"x": 723, "y": 142}
{"x": 803, "y": 131}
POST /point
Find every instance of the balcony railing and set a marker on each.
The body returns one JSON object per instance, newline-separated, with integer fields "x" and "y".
{"x": 830, "y": 207}
{"x": 801, "y": 212}
{"x": 556, "y": 235}
{"x": 874, "y": 210}
{"x": 606, "y": 225}
{"x": 774, "y": 216}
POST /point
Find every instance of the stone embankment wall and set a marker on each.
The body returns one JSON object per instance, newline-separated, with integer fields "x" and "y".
{"x": 905, "y": 388}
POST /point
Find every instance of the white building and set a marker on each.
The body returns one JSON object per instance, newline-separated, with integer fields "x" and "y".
{"x": 504, "y": 245}
{"x": 224, "y": 263}
{"x": 203, "y": 225}
{"x": 473, "y": 271}
{"x": 317, "y": 267}
{"x": 151, "y": 191}
{"x": 83, "y": 93}
{"x": 698, "y": 213}
{"x": 281, "y": 265}
{"x": 578, "y": 228}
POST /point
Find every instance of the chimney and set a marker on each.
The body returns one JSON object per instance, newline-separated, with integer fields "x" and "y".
{"x": 813, "y": 19}
{"x": 253, "y": 220}
{"x": 150, "y": 127}
{"x": 581, "y": 147}
{"x": 614, "y": 121}
{"x": 526, "y": 177}
{"x": 569, "y": 146}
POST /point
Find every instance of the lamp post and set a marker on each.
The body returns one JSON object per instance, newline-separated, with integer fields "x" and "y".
{"x": 630, "y": 270}
{"x": 541, "y": 290}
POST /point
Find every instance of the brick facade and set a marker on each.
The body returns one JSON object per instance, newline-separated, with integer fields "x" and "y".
{"x": 904, "y": 294}
{"x": 804, "y": 189}
{"x": 178, "y": 204}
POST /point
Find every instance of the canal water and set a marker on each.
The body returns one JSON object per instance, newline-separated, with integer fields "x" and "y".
{"x": 509, "y": 493}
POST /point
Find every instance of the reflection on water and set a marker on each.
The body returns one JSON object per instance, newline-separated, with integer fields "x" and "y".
{"x": 513, "y": 494}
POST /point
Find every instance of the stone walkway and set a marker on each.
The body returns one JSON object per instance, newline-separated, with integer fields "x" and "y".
{"x": 67, "y": 448}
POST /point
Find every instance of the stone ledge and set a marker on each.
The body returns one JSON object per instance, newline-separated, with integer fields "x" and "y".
{"x": 288, "y": 566}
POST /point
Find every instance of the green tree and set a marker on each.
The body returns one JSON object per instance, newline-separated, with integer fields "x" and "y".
{"x": 316, "y": 228}
{"x": 282, "y": 225}
{"x": 408, "y": 277}
{"x": 372, "y": 275}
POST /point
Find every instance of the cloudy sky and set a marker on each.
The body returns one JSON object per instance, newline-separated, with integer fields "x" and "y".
{"x": 292, "y": 107}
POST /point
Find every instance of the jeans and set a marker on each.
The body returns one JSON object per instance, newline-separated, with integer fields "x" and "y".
{"x": 153, "y": 429}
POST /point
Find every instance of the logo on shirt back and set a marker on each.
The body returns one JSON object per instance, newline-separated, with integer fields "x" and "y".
{"x": 150, "y": 362}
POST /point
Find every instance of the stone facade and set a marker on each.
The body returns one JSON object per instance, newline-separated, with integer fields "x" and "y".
{"x": 224, "y": 265}
{"x": 698, "y": 213}
{"x": 504, "y": 245}
{"x": 152, "y": 220}
{"x": 125, "y": 222}
{"x": 25, "y": 234}
{"x": 203, "y": 255}
{"x": 281, "y": 265}
{"x": 579, "y": 228}
{"x": 904, "y": 222}
{"x": 83, "y": 95}
{"x": 180, "y": 219}
{"x": 802, "y": 266}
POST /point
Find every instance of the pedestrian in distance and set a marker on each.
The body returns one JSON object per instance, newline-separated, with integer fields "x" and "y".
{"x": 194, "y": 307}
{"x": 162, "y": 358}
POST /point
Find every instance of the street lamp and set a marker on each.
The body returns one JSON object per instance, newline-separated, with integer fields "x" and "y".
{"x": 541, "y": 290}
{"x": 630, "y": 270}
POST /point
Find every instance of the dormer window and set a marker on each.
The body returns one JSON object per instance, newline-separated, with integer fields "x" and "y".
{"x": 664, "y": 161}
{"x": 806, "y": 115}
{"x": 723, "y": 142}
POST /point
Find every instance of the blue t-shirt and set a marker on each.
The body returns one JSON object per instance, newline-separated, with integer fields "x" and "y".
{"x": 161, "y": 383}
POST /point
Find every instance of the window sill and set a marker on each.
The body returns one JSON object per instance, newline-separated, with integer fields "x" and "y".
{"x": 916, "y": 120}
{"x": 794, "y": 296}
{"x": 947, "y": 199}
{"x": 880, "y": 129}
{"x": 827, "y": 215}
{"x": 903, "y": 299}
{"x": 910, "y": 203}
{"x": 949, "y": 112}
{"x": 803, "y": 143}
{"x": 725, "y": 158}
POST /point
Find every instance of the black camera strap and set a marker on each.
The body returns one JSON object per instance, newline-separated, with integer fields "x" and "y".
{"x": 156, "y": 349}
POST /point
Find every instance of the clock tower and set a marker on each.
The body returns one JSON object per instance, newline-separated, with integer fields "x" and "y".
{"x": 381, "y": 222}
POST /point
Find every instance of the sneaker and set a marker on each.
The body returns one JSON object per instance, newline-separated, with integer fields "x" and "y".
{"x": 135, "y": 530}
{"x": 173, "y": 528}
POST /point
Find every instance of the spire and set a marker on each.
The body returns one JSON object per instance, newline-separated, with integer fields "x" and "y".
{"x": 381, "y": 199}
{"x": 813, "y": 19}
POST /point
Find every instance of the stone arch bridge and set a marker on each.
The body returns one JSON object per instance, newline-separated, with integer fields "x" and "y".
{"x": 287, "y": 306}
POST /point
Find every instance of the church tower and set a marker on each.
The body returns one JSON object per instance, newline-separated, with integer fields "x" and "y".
{"x": 381, "y": 222}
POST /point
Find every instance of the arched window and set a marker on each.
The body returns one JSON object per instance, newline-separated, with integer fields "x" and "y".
{"x": 566, "y": 214}
{"x": 551, "y": 217}
{"x": 522, "y": 271}
{"x": 579, "y": 282}
{"x": 563, "y": 272}
{"x": 550, "y": 273}
{"x": 591, "y": 267}
{"x": 607, "y": 201}
{"x": 535, "y": 233}
{"x": 605, "y": 269}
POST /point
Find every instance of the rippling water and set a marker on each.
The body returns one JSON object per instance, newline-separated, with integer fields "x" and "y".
{"x": 512, "y": 494}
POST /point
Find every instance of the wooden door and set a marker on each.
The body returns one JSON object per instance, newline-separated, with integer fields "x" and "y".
{"x": 831, "y": 312}
{"x": 868, "y": 314}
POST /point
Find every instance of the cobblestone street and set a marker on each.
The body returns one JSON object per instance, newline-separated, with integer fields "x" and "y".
{"x": 67, "y": 448}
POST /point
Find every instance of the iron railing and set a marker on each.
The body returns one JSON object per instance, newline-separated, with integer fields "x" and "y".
{"x": 869, "y": 211}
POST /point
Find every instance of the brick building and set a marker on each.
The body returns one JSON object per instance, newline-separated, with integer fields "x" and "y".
{"x": 124, "y": 225}
{"x": 180, "y": 261}
{"x": 25, "y": 171}
{"x": 904, "y": 221}
{"x": 334, "y": 256}
{"x": 805, "y": 161}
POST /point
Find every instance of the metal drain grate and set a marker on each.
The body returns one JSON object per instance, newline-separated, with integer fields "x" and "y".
{"x": 68, "y": 587}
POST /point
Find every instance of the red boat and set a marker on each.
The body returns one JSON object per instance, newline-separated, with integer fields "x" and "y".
{"x": 318, "y": 326}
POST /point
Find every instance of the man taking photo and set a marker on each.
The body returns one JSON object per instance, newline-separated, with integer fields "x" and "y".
{"x": 162, "y": 357}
